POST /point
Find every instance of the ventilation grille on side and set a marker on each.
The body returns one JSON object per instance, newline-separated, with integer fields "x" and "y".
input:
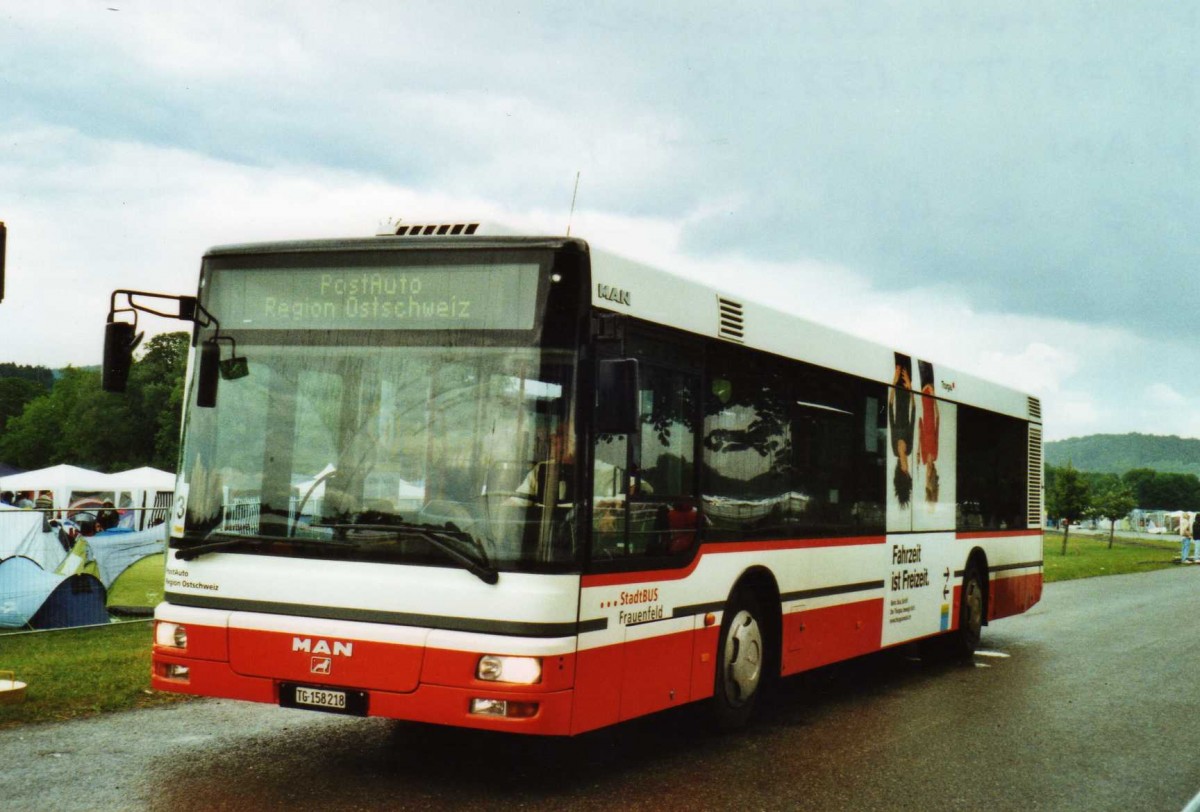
{"x": 1035, "y": 409}
{"x": 1035, "y": 477}
{"x": 732, "y": 320}
{"x": 397, "y": 229}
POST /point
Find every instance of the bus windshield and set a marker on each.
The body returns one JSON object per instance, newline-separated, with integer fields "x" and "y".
{"x": 394, "y": 446}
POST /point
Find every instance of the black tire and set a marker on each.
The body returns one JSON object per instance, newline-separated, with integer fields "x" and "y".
{"x": 742, "y": 662}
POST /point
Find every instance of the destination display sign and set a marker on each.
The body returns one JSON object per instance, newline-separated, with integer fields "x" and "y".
{"x": 457, "y": 297}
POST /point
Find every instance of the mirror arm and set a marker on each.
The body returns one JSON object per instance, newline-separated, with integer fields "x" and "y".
{"x": 190, "y": 308}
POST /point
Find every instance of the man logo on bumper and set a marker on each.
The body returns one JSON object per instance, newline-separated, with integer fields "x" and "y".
{"x": 337, "y": 648}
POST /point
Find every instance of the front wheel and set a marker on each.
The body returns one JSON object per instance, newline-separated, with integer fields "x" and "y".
{"x": 740, "y": 663}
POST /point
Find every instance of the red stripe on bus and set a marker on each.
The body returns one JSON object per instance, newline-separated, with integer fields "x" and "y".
{"x": 723, "y": 548}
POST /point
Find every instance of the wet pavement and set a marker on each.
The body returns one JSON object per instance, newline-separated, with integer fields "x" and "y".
{"x": 1089, "y": 701}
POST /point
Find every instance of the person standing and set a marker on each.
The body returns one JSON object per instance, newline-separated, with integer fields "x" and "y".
{"x": 1186, "y": 521}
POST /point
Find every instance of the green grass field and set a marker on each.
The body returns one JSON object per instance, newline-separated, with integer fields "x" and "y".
{"x": 80, "y": 672}
{"x": 1088, "y": 555}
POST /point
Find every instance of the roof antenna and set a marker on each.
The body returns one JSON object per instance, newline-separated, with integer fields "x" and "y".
{"x": 574, "y": 194}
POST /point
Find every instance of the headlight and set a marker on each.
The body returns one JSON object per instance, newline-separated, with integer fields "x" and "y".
{"x": 516, "y": 670}
{"x": 170, "y": 635}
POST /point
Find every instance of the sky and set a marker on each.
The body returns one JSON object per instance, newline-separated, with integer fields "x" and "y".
{"x": 1009, "y": 188}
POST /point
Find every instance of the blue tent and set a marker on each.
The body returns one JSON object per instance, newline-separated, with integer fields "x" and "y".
{"x": 35, "y": 598}
{"x": 77, "y": 601}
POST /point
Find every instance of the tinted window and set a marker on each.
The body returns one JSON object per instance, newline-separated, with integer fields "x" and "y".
{"x": 992, "y": 465}
{"x": 791, "y": 449}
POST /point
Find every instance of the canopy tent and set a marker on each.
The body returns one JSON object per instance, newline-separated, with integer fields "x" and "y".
{"x": 145, "y": 488}
{"x": 145, "y": 478}
{"x": 61, "y": 480}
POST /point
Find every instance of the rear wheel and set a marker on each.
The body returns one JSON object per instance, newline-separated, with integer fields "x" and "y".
{"x": 970, "y": 613}
{"x": 741, "y": 662}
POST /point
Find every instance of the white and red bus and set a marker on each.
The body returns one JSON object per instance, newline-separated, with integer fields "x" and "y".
{"x": 517, "y": 484}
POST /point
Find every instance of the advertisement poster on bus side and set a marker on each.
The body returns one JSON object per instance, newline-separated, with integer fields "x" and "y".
{"x": 918, "y": 586}
{"x": 922, "y": 462}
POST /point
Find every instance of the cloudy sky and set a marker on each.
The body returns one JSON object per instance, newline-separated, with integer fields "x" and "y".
{"x": 1010, "y": 188}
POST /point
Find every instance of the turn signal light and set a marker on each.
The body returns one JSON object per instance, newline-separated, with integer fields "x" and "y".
{"x": 173, "y": 671}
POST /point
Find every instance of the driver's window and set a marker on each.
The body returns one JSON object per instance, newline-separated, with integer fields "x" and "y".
{"x": 663, "y": 515}
{"x": 645, "y": 503}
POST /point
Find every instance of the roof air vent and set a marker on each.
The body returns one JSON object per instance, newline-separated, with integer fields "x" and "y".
{"x": 732, "y": 320}
{"x": 1035, "y": 409}
{"x": 398, "y": 228}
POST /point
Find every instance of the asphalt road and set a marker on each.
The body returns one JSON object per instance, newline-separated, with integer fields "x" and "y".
{"x": 1089, "y": 701}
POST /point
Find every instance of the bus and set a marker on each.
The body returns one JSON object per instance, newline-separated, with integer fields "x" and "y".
{"x": 518, "y": 484}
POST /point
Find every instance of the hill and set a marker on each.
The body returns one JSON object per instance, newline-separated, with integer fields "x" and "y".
{"x": 1118, "y": 453}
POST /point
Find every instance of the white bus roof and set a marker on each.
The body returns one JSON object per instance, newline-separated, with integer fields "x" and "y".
{"x": 624, "y": 286}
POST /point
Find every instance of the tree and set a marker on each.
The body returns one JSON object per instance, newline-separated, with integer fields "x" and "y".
{"x": 15, "y": 395}
{"x": 1068, "y": 499}
{"x": 1112, "y": 504}
{"x": 76, "y": 422}
{"x": 1141, "y": 482}
{"x": 157, "y": 380}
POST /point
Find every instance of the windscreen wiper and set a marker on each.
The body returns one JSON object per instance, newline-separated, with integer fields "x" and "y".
{"x": 445, "y": 538}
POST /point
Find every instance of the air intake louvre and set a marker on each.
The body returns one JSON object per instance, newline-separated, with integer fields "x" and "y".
{"x": 732, "y": 320}
{"x": 396, "y": 229}
{"x": 1035, "y": 477}
{"x": 1035, "y": 409}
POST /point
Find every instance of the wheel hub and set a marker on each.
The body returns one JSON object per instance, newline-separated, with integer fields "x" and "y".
{"x": 743, "y": 657}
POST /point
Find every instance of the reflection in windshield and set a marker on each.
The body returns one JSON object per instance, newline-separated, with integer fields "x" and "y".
{"x": 413, "y": 439}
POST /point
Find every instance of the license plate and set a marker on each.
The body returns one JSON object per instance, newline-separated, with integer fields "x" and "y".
{"x": 334, "y": 700}
{"x": 323, "y": 699}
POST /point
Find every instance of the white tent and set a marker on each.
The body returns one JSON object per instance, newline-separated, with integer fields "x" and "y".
{"x": 144, "y": 479}
{"x": 146, "y": 488}
{"x": 62, "y": 481}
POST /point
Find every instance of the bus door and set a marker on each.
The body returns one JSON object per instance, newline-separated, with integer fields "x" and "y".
{"x": 646, "y": 519}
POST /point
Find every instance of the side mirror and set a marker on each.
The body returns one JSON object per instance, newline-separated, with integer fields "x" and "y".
{"x": 617, "y": 396}
{"x": 209, "y": 375}
{"x": 119, "y": 342}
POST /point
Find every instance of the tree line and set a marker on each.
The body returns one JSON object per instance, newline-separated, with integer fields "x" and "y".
{"x": 47, "y": 419}
{"x": 1072, "y": 494}
{"x": 1117, "y": 453}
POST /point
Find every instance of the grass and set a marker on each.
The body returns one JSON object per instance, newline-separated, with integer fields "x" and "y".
{"x": 73, "y": 673}
{"x": 1088, "y": 555}
{"x": 80, "y": 672}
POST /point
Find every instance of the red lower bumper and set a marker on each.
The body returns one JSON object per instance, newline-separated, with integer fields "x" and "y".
{"x": 427, "y": 703}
